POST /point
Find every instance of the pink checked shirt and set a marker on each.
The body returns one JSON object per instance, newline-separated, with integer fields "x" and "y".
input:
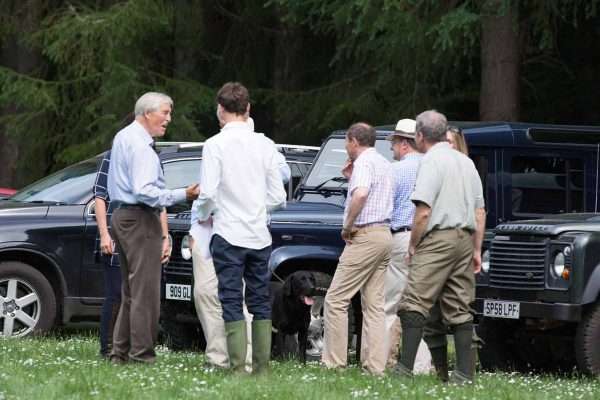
{"x": 372, "y": 170}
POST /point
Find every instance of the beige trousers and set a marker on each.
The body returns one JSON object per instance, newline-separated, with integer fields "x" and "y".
{"x": 361, "y": 267}
{"x": 210, "y": 314}
{"x": 395, "y": 281}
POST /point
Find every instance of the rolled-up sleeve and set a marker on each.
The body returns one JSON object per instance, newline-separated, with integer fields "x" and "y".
{"x": 101, "y": 184}
{"x": 210, "y": 177}
{"x": 275, "y": 193}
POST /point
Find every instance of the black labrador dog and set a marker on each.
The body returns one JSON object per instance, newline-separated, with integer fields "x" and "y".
{"x": 290, "y": 305}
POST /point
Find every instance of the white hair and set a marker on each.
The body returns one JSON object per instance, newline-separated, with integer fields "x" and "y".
{"x": 151, "y": 101}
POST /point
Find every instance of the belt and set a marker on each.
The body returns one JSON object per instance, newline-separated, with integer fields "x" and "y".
{"x": 401, "y": 229}
{"x": 138, "y": 206}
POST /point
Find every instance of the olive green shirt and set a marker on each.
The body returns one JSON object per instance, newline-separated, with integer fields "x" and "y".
{"x": 449, "y": 184}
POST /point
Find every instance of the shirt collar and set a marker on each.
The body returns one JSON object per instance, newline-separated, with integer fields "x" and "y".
{"x": 411, "y": 155}
{"x": 236, "y": 125}
{"x": 366, "y": 152}
{"x": 440, "y": 146}
{"x": 141, "y": 132}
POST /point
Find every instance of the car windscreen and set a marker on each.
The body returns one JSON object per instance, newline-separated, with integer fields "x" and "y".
{"x": 65, "y": 186}
{"x": 330, "y": 162}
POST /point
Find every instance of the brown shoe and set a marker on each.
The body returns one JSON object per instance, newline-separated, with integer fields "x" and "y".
{"x": 116, "y": 360}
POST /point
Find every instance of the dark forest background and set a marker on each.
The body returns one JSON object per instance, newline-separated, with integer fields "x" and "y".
{"x": 70, "y": 70}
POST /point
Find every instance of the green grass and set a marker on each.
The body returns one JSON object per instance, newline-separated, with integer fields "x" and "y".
{"x": 68, "y": 367}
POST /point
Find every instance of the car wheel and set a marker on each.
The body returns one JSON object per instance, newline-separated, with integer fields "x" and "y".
{"x": 497, "y": 354}
{"x": 177, "y": 335}
{"x": 27, "y": 301}
{"x": 587, "y": 337}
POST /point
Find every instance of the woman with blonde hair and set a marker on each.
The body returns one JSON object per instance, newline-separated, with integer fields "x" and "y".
{"x": 455, "y": 137}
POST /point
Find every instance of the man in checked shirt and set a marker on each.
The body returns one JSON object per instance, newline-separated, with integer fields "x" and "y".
{"x": 362, "y": 265}
{"x": 404, "y": 175}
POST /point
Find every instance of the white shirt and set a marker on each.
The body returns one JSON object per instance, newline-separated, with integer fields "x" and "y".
{"x": 135, "y": 174}
{"x": 240, "y": 182}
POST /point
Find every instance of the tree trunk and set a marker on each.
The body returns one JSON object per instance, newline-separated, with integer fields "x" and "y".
{"x": 499, "y": 96}
{"x": 22, "y": 58}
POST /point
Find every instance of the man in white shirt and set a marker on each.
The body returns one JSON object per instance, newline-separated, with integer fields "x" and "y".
{"x": 206, "y": 295}
{"x": 240, "y": 183}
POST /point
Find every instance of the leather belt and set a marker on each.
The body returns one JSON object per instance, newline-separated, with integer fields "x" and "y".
{"x": 402, "y": 229}
{"x": 138, "y": 206}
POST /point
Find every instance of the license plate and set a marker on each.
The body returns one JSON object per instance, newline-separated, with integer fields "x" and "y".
{"x": 178, "y": 292}
{"x": 501, "y": 309}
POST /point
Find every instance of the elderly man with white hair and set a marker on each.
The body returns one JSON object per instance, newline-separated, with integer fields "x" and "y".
{"x": 136, "y": 186}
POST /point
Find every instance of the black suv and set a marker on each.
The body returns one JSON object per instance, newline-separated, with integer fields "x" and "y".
{"x": 48, "y": 271}
{"x": 539, "y": 293}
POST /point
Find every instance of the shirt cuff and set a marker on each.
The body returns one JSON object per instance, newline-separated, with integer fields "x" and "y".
{"x": 179, "y": 195}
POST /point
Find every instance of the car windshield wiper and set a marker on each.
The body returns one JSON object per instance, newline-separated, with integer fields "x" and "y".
{"x": 334, "y": 179}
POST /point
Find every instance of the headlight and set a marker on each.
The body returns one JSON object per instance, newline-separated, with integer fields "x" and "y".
{"x": 485, "y": 261}
{"x": 186, "y": 252}
{"x": 559, "y": 264}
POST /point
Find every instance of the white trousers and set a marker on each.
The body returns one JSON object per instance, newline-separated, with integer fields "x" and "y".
{"x": 210, "y": 314}
{"x": 395, "y": 282}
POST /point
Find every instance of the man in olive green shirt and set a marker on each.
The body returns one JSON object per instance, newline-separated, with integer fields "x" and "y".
{"x": 445, "y": 245}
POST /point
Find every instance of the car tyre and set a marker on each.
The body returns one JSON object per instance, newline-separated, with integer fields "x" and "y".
{"x": 496, "y": 354}
{"x": 27, "y": 301}
{"x": 587, "y": 337}
{"x": 177, "y": 335}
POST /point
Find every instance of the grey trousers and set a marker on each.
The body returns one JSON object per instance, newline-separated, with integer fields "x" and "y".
{"x": 138, "y": 236}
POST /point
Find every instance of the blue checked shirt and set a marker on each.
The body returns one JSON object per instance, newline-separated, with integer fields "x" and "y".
{"x": 101, "y": 191}
{"x": 404, "y": 175}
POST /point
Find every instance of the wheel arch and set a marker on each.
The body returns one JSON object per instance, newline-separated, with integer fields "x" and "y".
{"x": 286, "y": 260}
{"x": 592, "y": 288}
{"x": 44, "y": 265}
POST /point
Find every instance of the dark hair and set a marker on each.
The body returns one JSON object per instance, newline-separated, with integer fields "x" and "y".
{"x": 234, "y": 98}
{"x": 129, "y": 118}
{"x": 363, "y": 133}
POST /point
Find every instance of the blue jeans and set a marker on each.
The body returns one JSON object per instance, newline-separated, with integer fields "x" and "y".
{"x": 112, "y": 294}
{"x": 232, "y": 263}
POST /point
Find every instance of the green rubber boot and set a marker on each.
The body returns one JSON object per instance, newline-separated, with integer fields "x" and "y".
{"x": 261, "y": 347}
{"x": 237, "y": 346}
{"x": 463, "y": 339}
{"x": 439, "y": 355}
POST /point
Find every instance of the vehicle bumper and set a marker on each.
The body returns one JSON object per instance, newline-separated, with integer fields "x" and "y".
{"x": 554, "y": 311}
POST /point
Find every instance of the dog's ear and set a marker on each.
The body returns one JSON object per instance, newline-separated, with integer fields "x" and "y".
{"x": 287, "y": 286}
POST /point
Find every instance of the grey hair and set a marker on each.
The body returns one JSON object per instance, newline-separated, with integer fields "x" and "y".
{"x": 151, "y": 101}
{"x": 432, "y": 125}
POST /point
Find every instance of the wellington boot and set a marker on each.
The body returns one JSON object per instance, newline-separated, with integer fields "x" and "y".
{"x": 237, "y": 346}
{"x": 473, "y": 360}
{"x": 261, "y": 347}
{"x": 439, "y": 355}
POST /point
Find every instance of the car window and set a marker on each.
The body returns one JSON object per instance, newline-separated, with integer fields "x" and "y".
{"x": 546, "y": 185}
{"x": 65, "y": 186}
{"x": 330, "y": 162}
{"x": 181, "y": 173}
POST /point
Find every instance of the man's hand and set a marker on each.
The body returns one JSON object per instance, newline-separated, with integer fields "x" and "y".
{"x": 166, "y": 252}
{"x": 476, "y": 261}
{"x": 192, "y": 192}
{"x": 348, "y": 234}
{"x": 107, "y": 246}
{"x": 209, "y": 221}
{"x": 347, "y": 169}
{"x": 409, "y": 255}
{"x": 192, "y": 241}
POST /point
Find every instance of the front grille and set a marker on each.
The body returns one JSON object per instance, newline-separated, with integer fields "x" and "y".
{"x": 177, "y": 265}
{"x": 517, "y": 265}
